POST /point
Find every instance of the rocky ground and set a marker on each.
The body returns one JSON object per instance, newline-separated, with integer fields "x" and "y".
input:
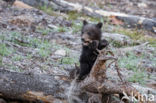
{"x": 33, "y": 41}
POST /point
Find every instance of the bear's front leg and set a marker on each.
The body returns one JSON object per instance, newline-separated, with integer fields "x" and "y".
{"x": 84, "y": 70}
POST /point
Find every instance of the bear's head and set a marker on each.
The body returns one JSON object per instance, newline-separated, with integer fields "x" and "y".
{"x": 90, "y": 32}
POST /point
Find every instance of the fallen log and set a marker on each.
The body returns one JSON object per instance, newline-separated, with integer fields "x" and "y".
{"x": 29, "y": 87}
{"x": 21, "y": 5}
{"x": 98, "y": 83}
{"x": 129, "y": 21}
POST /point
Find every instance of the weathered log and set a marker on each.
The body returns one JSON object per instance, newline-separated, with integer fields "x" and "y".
{"x": 129, "y": 21}
{"x": 97, "y": 81}
{"x": 21, "y": 5}
{"x": 29, "y": 87}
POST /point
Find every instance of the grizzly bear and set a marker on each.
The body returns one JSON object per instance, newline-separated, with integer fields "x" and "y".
{"x": 91, "y": 42}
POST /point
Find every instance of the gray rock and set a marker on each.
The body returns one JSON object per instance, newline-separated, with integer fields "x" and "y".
{"x": 60, "y": 52}
{"x": 148, "y": 65}
{"x": 142, "y": 5}
{"x": 122, "y": 39}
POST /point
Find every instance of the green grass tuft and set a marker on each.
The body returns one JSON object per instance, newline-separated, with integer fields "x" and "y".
{"x": 47, "y": 9}
{"x": 62, "y": 29}
{"x": 17, "y": 58}
{"x": 44, "y": 49}
{"x": 138, "y": 77}
{"x": 76, "y": 27}
{"x": 44, "y": 31}
{"x": 73, "y": 15}
{"x": 4, "y": 50}
{"x": 130, "y": 62}
{"x": 68, "y": 60}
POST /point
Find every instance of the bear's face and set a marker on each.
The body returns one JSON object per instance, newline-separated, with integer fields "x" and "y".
{"x": 90, "y": 33}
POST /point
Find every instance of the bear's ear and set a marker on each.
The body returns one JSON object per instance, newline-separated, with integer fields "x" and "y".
{"x": 99, "y": 25}
{"x": 85, "y": 22}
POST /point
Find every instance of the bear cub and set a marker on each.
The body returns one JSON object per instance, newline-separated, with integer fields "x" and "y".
{"x": 91, "y": 42}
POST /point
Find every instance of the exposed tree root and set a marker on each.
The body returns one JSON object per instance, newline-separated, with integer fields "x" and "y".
{"x": 98, "y": 83}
